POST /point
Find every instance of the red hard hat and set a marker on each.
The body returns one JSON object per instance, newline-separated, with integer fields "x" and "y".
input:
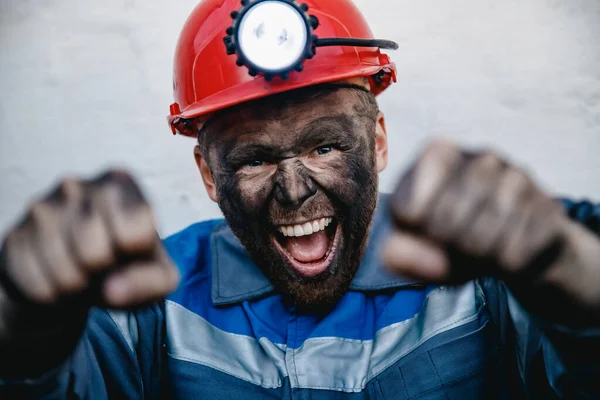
{"x": 206, "y": 79}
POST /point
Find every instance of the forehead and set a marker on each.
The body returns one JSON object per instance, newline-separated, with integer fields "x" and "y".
{"x": 289, "y": 111}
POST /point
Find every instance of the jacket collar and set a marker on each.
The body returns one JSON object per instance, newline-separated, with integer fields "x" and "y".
{"x": 236, "y": 278}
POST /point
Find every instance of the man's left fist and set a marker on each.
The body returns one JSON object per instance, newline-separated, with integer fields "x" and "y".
{"x": 489, "y": 216}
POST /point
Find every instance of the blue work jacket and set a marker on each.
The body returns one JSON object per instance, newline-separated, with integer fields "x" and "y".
{"x": 226, "y": 333}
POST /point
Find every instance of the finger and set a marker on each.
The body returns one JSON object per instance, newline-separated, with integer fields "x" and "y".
{"x": 24, "y": 269}
{"x": 536, "y": 232}
{"x": 127, "y": 215}
{"x": 461, "y": 200}
{"x": 139, "y": 283}
{"x": 511, "y": 254}
{"x": 52, "y": 251}
{"x": 546, "y": 226}
{"x": 418, "y": 189}
{"x": 484, "y": 234}
{"x": 89, "y": 237}
{"x": 161, "y": 255}
{"x": 408, "y": 254}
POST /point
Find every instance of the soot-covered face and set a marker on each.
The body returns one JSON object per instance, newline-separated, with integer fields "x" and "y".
{"x": 296, "y": 179}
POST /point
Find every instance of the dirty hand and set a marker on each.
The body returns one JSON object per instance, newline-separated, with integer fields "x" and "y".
{"x": 460, "y": 215}
{"x": 89, "y": 243}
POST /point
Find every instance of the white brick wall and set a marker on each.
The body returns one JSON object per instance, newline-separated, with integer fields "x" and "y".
{"x": 86, "y": 85}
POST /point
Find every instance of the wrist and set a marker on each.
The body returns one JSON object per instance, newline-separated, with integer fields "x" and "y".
{"x": 576, "y": 271}
{"x": 567, "y": 291}
{"x": 43, "y": 336}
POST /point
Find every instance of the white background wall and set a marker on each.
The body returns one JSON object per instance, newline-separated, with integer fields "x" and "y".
{"x": 85, "y": 85}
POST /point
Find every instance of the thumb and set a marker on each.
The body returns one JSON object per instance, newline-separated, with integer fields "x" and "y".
{"x": 419, "y": 258}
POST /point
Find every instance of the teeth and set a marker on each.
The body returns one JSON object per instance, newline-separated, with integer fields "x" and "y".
{"x": 315, "y": 226}
{"x": 305, "y": 229}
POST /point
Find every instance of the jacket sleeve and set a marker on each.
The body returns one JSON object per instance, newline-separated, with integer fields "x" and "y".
{"x": 551, "y": 360}
{"x": 119, "y": 356}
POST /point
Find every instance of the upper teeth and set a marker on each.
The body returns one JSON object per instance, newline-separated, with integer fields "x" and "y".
{"x": 305, "y": 229}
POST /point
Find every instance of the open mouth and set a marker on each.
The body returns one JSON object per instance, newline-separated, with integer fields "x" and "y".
{"x": 310, "y": 247}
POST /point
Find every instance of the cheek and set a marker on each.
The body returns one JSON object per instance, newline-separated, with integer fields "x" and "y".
{"x": 344, "y": 173}
{"x": 326, "y": 169}
{"x": 255, "y": 184}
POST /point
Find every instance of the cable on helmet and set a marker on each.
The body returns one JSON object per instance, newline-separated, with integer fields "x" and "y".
{"x": 275, "y": 37}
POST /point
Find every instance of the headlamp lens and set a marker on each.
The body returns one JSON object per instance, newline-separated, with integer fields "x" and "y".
{"x": 272, "y": 35}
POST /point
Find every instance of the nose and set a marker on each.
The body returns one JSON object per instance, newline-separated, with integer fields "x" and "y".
{"x": 293, "y": 184}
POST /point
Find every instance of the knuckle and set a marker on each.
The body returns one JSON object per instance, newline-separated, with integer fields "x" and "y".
{"x": 516, "y": 182}
{"x": 92, "y": 245}
{"x": 38, "y": 211}
{"x": 490, "y": 159}
{"x": 523, "y": 180}
{"x": 552, "y": 208}
{"x": 173, "y": 277}
{"x": 137, "y": 221}
{"x": 87, "y": 229}
{"x": 509, "y": 263}
{"x": 95, "y": 260}
{"x": 512, "y": 259}
{"x": 39, "y": 214}
{"x": 13, "y": 251}
{"x": 43, "y": 294}
{"x": 11, "y": 240}
{"x": 136, "y": 238}
{"x": 122, "y": 192}
{"x": 71, "y": 282}
{"x": 70, "y": 188}
{"x": 66, "y": 190}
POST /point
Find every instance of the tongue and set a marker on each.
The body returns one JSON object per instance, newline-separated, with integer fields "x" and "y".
{"x": 308, "y": 248}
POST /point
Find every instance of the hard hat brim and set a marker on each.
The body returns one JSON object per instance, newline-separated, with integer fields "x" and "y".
{"x": 259, "y": 88}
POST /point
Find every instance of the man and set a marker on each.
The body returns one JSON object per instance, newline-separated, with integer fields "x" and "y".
{"x": 499, "y": 295}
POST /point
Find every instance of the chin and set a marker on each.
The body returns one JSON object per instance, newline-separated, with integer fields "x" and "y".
{"x": 313, "y": 267}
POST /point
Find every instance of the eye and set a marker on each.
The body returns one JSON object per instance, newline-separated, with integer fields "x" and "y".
{"x": 255, "y": 163}
{"x": 324, "y": 150}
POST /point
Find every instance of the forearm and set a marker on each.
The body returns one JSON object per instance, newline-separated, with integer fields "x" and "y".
{"x": 564, "y": 305}
{"x": 567, "y": 292}
{"x": 44, "y": 337}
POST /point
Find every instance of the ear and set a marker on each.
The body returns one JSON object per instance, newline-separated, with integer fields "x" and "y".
{"x": 209, "y": 182}
{"x": 381, "y": 143}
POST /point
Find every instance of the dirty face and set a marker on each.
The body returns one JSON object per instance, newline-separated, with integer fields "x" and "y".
{"x": 296, "y": 178}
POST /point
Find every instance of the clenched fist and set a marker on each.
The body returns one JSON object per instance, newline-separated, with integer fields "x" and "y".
{"x": 88, "y": 243}
{"x": 461, "y": 215}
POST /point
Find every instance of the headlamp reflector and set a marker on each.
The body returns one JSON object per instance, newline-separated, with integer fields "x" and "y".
{"x": 273, "y": 36}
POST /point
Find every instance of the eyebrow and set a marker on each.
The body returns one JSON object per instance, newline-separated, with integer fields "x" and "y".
{"x": 334, "y": 128}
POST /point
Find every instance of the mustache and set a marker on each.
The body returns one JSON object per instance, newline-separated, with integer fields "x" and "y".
{"x": 317, "y": 206}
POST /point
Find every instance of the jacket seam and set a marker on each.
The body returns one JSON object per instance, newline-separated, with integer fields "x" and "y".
{"x": 457, "y": 323}
{"x": 222, "y": 370}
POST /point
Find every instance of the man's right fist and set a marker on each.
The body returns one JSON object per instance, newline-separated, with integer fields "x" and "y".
{"x": 88, "y": 237}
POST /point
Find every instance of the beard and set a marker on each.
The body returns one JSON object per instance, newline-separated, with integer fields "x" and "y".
{"x": 351, "y": 203}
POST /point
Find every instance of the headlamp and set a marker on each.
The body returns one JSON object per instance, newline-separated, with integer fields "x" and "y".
{"x": 274, "y": 37}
